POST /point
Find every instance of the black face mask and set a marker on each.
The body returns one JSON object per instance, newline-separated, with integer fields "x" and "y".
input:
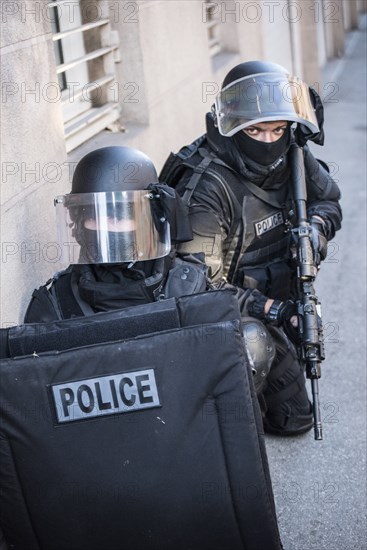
{"x": 108, "y": 287}
{"x": 260, "y": 152}
{"x": 118, "y": 242}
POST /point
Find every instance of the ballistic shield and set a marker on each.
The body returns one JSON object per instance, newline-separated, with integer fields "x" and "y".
{"x": 149, "y": 439}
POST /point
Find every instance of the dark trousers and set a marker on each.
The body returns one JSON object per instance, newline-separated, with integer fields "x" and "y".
{"x": 285, "y": 395}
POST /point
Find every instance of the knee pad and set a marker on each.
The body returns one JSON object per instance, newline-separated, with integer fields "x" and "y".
{"x": 260, "y": 349}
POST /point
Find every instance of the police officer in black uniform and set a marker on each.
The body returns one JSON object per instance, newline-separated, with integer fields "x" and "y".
{"x": 241, "y": 210}
{"x": 116, "y": 228}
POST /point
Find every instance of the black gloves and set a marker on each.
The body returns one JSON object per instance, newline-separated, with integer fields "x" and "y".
{"x": 280, "y": 313}
{"x": 318, "y": 240}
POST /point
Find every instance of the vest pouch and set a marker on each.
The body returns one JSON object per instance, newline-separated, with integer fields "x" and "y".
{"x": 185, "y": 279}
{"x": 280, "y": 280}
{"x": 42, "y": 307}
{"x": 253, "y": 277}
{"x": 275, "y": 280}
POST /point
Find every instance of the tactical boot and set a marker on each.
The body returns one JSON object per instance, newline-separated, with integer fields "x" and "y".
{"x": 288, "y": 422}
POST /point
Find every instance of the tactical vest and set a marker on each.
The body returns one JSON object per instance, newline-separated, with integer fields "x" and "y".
{"x": 59, "y": 298}
{"x": 256, "y": 252}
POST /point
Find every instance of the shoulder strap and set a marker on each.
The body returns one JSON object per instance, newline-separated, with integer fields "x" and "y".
{"x": 176, "y": 162}
{"x": 207, "y": 158}
{"x": 195, "y": 178}
{"x": 262, "y": 195}
{"x": 254, "y": 189}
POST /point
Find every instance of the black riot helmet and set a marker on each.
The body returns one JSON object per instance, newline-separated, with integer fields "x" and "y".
{"x": 117, "y": 210}
{"x": 251, "y": 68}
{"x": 113, "y": 169}
{"x": 260, "y": 91}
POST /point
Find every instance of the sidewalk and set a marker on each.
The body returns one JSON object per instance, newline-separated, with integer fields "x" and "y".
{"x": 320, "y": 486}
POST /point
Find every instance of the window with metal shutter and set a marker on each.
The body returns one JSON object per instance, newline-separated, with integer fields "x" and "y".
{"x": 86, "y": 50}
{"x": 212, "y": 19}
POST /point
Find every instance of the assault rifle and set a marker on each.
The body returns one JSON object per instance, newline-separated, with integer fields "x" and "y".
{"x": 311, "y": 346}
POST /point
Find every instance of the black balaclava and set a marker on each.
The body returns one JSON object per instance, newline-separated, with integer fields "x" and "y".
{"x": 108, "y": 287}
{"x": 117, "y": 241}
{"x": 261, "y": 152}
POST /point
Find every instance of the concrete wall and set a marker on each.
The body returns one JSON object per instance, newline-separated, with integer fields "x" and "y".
{"x": 32, "y": 156}
{"x": 350, "y": 14}
{"x": 166, "y": 80}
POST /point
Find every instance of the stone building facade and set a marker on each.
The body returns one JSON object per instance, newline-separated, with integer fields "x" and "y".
{"x": 81, "y": 74}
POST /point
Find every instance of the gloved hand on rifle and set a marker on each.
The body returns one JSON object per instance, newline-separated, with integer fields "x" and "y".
{"x": 283, "y": 314}
{"x": 318, "y": 239}
{"x": 279, "y": 313}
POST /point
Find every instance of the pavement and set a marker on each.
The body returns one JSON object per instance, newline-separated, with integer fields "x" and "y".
{"x": 320, "y": 486}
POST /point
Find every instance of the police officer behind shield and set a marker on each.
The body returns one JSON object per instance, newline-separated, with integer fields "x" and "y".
{"x": 116, "y": 228}
{"x": 241, "y": 210}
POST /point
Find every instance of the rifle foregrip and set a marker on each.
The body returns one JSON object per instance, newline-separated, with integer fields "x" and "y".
{"x": 305, "y": 255}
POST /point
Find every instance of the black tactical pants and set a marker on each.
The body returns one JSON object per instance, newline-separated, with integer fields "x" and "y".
{"x": 286, "y": 407}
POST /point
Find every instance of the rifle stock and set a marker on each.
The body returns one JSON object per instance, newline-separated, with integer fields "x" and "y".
{"x": 311, "y": 347}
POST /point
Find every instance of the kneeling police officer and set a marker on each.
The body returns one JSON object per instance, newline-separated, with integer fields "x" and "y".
{"x": 237, "y": 182}
{"x": 116, "y": 228}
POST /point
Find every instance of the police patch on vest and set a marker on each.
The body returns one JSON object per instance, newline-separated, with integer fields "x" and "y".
{"x": 118, "y": 393}
{"x": 268, "y": 223}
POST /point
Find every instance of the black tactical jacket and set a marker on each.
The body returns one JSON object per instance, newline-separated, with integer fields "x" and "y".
{"x": 83, "y": 290}
{"x": 241, "y": 214}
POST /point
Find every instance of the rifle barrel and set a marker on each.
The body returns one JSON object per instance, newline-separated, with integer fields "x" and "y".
{"x": 311, "y": 347}
{"x": 317, "y": 426}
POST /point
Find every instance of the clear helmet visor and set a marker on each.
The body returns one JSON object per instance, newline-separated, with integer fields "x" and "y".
{"x": 264, "y": 98}
{"x": 114, "y": 227}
